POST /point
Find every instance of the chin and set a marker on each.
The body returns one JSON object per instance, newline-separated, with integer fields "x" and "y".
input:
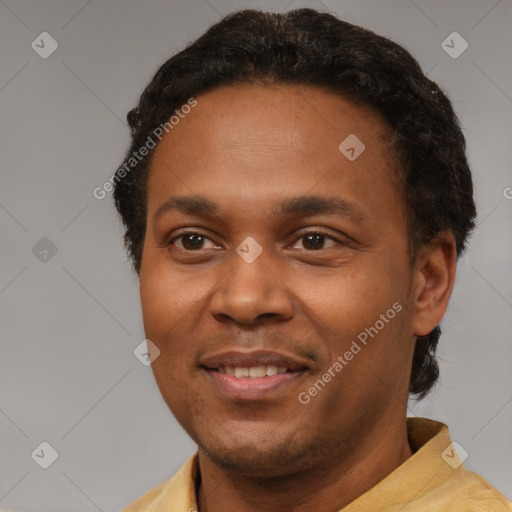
{"x": 251, "y": 461}
{"x": 260, "y": 456}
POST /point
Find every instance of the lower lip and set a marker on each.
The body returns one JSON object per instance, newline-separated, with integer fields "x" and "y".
{"x": 252, "y": 388}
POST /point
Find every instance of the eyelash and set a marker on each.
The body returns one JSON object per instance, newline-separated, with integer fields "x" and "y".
{"x": 299, "y": 236}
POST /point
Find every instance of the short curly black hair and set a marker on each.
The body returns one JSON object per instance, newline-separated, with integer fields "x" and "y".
{"x": 307, "y": 47}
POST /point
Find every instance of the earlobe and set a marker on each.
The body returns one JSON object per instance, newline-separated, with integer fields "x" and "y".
{"x": 434, "y": 278}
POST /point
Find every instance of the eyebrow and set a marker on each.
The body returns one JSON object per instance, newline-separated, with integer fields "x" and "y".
{"x": 301, "y": 206}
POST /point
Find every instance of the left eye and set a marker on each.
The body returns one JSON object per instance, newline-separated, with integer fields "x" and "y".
{"x": 315, "y": 240}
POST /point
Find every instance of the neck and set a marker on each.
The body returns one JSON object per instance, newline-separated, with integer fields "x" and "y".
{"x": 336, "y": 482}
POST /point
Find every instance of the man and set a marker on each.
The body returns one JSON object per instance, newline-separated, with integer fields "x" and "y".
{"x": 295, "y": 197}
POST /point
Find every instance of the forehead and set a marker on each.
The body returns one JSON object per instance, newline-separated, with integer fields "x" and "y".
{"x": 252, "y": 144}
{"x": 296, "y": 116}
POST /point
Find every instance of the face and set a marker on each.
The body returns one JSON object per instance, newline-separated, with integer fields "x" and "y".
{"x": 275, "y": 278}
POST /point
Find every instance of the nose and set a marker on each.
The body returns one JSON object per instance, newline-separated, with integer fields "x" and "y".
{"x": 252, "y": 293}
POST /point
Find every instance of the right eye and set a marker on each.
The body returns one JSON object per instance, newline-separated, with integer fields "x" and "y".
{"x": 191, "y": 241}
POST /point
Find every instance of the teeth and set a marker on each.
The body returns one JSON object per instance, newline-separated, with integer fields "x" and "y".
{"x": 271, "y": 370}
{"x": 241, "y": 372}
{"x": 257, "y": 371}
{"x": 253, "y": 372}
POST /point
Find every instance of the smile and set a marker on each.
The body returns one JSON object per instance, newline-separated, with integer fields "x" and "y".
{"x": 252, "y": 375}
{"x": 253, "y": 372}
{"x": 252, "y": 383}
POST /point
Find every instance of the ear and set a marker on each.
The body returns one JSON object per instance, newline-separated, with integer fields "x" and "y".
{"x": 433, "y": 281}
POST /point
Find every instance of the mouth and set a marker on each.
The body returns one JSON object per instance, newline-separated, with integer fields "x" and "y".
{"x": 252, "y": 372}
{"x": 252, "y": 376}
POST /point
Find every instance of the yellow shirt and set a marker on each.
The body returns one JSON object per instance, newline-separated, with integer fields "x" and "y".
{"x": 432, "y": 480}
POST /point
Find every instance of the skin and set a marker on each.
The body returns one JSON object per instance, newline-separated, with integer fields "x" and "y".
{"x": 248, "y": 148}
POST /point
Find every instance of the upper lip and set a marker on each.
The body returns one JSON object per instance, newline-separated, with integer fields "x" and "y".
{"x": 250, "y": 359}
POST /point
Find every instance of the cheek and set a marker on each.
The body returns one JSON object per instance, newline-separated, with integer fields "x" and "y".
{"x": 166, "y": 301}
{"x": 160, "y": 303}
{"x": 167, "y": 297}
{"x": 353, "y": 298}
{"x": 361, "y": 316}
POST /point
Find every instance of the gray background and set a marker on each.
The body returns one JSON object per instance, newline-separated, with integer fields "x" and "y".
{"x": 71, "y": 322}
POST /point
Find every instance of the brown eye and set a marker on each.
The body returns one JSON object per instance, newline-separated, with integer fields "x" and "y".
{"x": 190, "y": 241}
{"x": 315, "y": 240}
